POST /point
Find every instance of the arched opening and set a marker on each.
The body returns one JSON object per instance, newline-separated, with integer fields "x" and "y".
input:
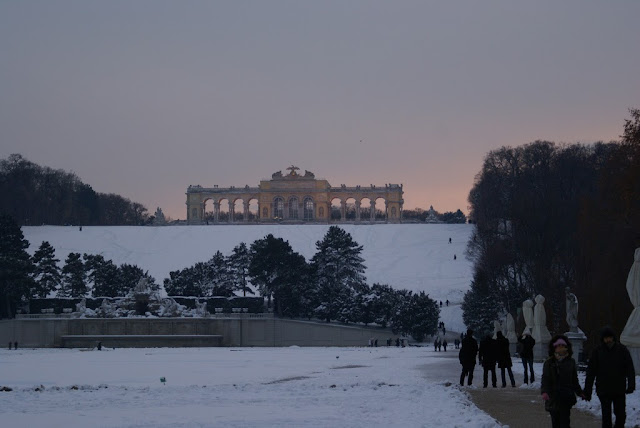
{"x": 223, "y": 215}
{"x": 208, "y": 216}
{"x": 293, "y": 208}
{"x": 307, "y": 207}
{"x": 381, "y": 207}
{"x": 238, "y": 210}
{"x": 336, "y": 209}
{"x": 350, "y": 209}
{"x": 365, "y": 209}
{"x": 253, "y": 210}
{"x": 278, "y": 208}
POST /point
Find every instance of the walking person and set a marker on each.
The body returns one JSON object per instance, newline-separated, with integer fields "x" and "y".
{"x": 444, "y": 344}
{"x": 504, "y": 359}
{"x": 559, "y": 385}
{"x": 487, "y": 354}
{"x": 527, "y": 343}
{"x": 467, "y": 357}
{"x": 612, "y": 369}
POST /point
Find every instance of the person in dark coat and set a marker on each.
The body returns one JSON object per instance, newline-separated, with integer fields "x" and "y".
{"x": 487, "y": 354}
{"x": 504, "y": 359}
{"x": 559, "y": 385}
{"x": 467, "y": 357}
{"x": 612, "y": 369}
{"x": 444, "y": 344}
{"x": 526, "y": 353}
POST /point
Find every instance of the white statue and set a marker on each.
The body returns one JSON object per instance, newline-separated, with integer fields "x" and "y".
{"x": 82, "y": 305}
{"x": 201, "y": 308}
{"x": 497, "y": 326}
{"x": 540, "y": 332}
{"x": 527, "y": 313}
{"x": 572, "y": 310}
{"x": 631, "y": 334}
{"x": 510, "y": 327}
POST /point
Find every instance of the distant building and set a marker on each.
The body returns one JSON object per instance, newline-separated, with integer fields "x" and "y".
{"x": 296, "y": 198}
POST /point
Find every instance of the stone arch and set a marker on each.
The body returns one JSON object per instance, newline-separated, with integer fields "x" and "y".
{"x": 278, "y": 208}
{"x": 350, "y": 205}
{"x": 253, "y": 207}
{"x": 336, "y": 213}
{"x": 293, "y": 208}
{"x": 308, "y": 208}
{"x": 365, "y": 209}
{"x": 381, "y": 209}
{"x": 208, "y": 210}
{"x": 223, "y": 210}
{"x": 238, "y": 210}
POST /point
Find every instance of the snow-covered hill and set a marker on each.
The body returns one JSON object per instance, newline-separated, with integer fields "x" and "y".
{"x": 416, "y": 257}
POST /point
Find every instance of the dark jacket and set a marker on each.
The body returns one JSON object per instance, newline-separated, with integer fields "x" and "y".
{"x": 488, "y": 352}
{"x": 527, "y": 346}
{"x": 504, "y": 355}
{"x": 468, "y": 352}
{"x": 611, "y": 368}
{"x": 560, "y": 381}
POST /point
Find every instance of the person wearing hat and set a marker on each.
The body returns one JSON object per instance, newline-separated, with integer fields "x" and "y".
{"x": 559, "y": 385}
{"x": 467, "y": 357}
{"x": 527, "y": 343}
{"x": 612, "y": 369}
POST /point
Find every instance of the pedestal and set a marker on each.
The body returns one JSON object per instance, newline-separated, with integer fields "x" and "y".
{"x": 577, "y": 340}
{"x": 540, "y": 352}
{"x": 635, "y": 356}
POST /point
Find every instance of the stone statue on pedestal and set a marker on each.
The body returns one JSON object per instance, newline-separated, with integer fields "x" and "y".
{"x": 630, "y": 336}
{"x": 527, "y": 313}
{"x": 510, "y": 327}
{"x": 572, "y": 310}
{"x": 540, "y": 331}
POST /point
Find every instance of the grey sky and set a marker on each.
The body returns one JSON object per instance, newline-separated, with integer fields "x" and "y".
{"x": 143, "y": 98}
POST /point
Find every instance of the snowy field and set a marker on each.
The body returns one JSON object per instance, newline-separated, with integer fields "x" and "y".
{"x": 246, "y": 387}
{"x": 231, "y": 387}
{"x": 416, "y": 257}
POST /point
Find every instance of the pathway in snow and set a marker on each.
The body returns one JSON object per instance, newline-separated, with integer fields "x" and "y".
{"x": 515, "y": 407}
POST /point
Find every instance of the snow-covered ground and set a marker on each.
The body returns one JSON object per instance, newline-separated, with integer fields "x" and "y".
{"x": 230, "y": 387}
{"x": 246, "y": 387}
{"x": 416, "y": 257}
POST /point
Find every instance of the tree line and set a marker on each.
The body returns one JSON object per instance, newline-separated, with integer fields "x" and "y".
{"x": 550, "y": 216}
{"x": 36, "y": 195}
{"x": 331, "y": 286}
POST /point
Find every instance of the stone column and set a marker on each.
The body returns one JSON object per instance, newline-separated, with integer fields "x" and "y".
{"x": 245, "y": 213}
{"x": 357, "y": 211}
{"x": 232, "y": 211}
{"x": 372, "y": 215}
{"x": 343, "y": 210}
{"x": 216, "y": 212}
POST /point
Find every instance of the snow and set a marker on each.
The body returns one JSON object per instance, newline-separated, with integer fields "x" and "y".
{"x": 257, "y": 387}
{"x": 416, "y": 257}
{"x": 235, "y": 387}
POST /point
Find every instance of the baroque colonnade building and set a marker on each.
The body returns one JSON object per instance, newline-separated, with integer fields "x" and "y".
{"x": 295, "y": 197}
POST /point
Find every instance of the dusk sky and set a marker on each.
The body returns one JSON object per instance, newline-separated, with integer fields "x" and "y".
{"x": 143, "y": 98}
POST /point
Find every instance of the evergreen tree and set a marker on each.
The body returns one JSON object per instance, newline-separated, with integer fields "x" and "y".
{"x": 422, "y": 316}
{"x": 103, "y": 276}
{"x": 238, "y": 263}
{"x": 73, "y": 277}
{"x": 15, "y": 266}
{"x": 46, "y": 274}
{"x": 480, "y": 306}
{"x": 130, "y": 275}
{"x": 219, "y": 281}
{"x": 338, "y": 270}
{"x": 384, "y": 303}
{"x": 274, "y": 269}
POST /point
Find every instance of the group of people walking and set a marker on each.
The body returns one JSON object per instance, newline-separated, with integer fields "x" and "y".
{"x": 610, "y": 367}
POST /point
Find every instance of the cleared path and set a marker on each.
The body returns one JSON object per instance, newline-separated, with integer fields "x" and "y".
{"x": 513, "y": 407}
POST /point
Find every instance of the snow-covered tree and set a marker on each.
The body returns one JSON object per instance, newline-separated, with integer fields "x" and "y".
{"x": 46, "y": 273}
{"x": 338, "y": 270}
{"x": 480, "y": 306}
{"x": 159, "y": 218}
{"x": 103, "y": 276}
{"x": 219, "y": 280}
